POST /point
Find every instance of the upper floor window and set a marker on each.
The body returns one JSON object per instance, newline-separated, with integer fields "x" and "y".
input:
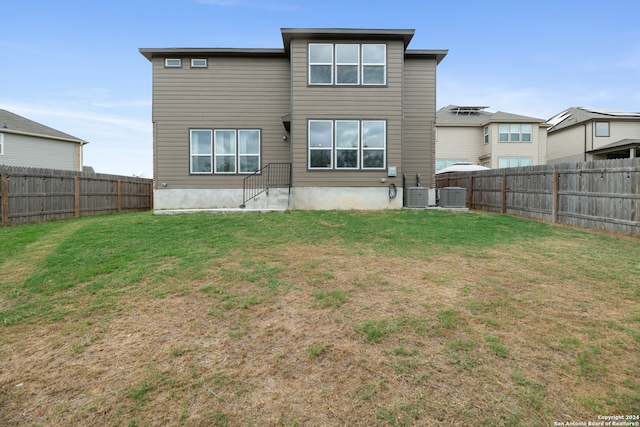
{"x": 198, "y": 62}
{"x": 515, "y": 132}
{"x": 224, "y": 151}
{"x": 347, "y": 144}
{"x": 1, "y": 144}
{"x": 486, "y": 134}
{"x": 347, "y": 64}
{"x": 172, "y": 62}
{"x": 602, "y": 129}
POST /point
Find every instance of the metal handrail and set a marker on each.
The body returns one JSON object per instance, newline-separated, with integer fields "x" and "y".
{"x": 273, "y": 175}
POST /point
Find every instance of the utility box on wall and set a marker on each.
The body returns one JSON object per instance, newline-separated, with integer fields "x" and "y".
{"x": 453, "y": 197}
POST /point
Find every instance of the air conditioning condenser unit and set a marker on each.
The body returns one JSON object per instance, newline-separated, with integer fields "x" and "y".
{"x": 420, "y": 197}
{"x": 453, "y": 197}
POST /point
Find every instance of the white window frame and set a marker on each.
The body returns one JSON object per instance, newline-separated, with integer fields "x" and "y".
{"x": 334, "y": 65}
{"x": 361, "y": 149}
{"x": 348, "y": 64}
{"x": 1, "y": 144}
{"x": 486, "y": 135}
{"x": 375, "y": 64}
{"x": 598, "y": 132}
{"x": 172, "y": 62}
{"x": 195, "y": 64}
{"x": 192, "y": 154}
{"x": 241, "y": 154}
{"x": 356, "y": 148}
{"x": 323, "y": 64}
{"x": 514, "y": 159}
{"x": 515, "y": 132}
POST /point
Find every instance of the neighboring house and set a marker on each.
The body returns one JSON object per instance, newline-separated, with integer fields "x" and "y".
{"x": 351, "y": 110}
{"x": 25, "y": 143}
{"x": 494, "y": 140}
{"x": 584, "y": 134}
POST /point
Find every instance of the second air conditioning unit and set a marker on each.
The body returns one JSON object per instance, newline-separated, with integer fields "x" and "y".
{"x": 420, "y": 197}
{"x": 453, "y": 197}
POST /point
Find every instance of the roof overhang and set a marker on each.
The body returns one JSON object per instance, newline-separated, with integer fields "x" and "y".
{"x": 174, "y": 52}
{"x": 289, "y": 34}
{"x": 38, "y": 135}
{"x": 437, "y": 54}
{"x": 622, "y": 145}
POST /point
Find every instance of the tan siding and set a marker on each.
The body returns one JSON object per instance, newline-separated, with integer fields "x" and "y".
{"x": 566, "y": 144}
{"x": 234, "y": 92}
{"x": 458, "y": 142}
{"x": 419, "y": 118}
{"x": 327, "y": 102}
{"x": 34, "y": 152}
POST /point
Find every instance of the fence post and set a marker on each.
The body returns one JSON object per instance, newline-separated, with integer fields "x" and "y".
{"x": 470, "y": 191}
{"x": 503, "y": 195}
{"x": 555, "y": 198}
{"x": 4, "y": 191}
{"x": 119, "y": 196}
{"x": 76, "y": 196}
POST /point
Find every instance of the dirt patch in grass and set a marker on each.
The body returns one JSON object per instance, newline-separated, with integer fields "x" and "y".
{"x": 316, "y": 335}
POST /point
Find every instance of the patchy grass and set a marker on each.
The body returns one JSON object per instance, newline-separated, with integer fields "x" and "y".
{"x": 404, "y": 318}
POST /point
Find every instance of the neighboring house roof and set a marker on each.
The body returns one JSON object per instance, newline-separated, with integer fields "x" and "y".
{"x": 13, "y": 123}
{"x": 455, "y": 115}
{"x": 576, "y": 115}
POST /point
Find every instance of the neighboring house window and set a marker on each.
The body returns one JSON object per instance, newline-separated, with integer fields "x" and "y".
{"x": 199, "y": 63}
{"x": 486, "y": 134}
{"x": 515, "y": 132}
{"x": 602, "y": 128}
{"x": 347, "y": 64}
{"x": 443, "y": 163}
{"x": 1, "y": 144}
{"x": 514, "y": 162}
{"x": 172, "y": 62}
{"x": 225, "y": 151}
{"x": 347, "y": 144}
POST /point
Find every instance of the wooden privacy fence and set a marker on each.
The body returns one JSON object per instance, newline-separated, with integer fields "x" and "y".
{"x": 37, "y": 195}
{"x": 602, "y": 194}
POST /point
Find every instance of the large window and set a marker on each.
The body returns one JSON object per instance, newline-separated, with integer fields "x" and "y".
{"x": 602, "y": 128}
{"x": 347, "y": 64}
{"x": 224, "y": 151}
{"x": 347, "y": 144}
{"x": 514, "y": 162}
{"x": 515, "y": 132}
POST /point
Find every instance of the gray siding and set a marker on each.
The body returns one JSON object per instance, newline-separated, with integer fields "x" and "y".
{"x": 419, "y": 119}
{"x": 31, "y": 151}
{"x": 232, "y": 93}
{"x": 330, "y": 102}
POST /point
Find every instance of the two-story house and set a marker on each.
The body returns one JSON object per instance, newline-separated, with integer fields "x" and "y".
{"x": 494, "y": 140}
{"x": 350, "y": 111}
{"x": 25, "y": 143}
{"x": 584, "y": 134}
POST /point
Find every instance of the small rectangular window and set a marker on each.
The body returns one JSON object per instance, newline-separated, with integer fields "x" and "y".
{"x": 172, "y": 62}
{"x": 198, "y": 63}
{"x": 374, "y": 64}
{"x": 320, "y": 64}
{"x": 602, "y": 128}
{"x": 486, "y": 134}
{"x": 1, "y": 144}
{"x": 347, "y": 64}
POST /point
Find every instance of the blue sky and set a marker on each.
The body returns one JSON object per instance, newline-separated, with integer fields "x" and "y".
{"x": 74, "y": 65}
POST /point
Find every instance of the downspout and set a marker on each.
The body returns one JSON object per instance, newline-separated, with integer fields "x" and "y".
{"x": 584, "y": 125}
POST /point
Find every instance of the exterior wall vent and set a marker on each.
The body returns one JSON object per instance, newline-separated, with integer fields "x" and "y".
{"x": 420, "y": 197}
{"x": 453, "y": 197}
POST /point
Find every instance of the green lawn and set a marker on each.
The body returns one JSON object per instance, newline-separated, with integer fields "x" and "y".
{"x": 316, "y": 318}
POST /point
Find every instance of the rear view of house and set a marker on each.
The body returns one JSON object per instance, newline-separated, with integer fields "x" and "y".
{"x": 343, "y": 117}
{"x": 25, "y": 143}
